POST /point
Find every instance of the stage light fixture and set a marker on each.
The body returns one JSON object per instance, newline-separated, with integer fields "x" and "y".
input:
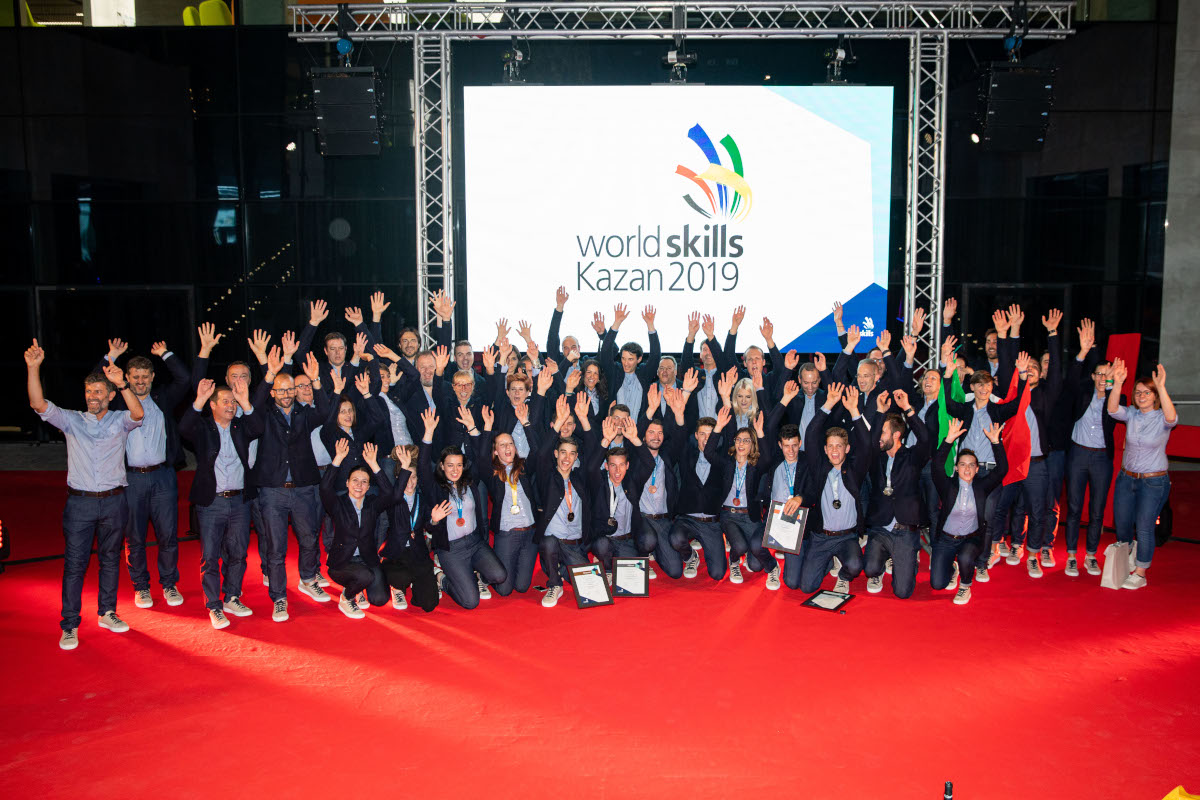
{"x": 975, "y": 138}
{"x": 678, "y": 59}
{"x": 837, "y": 58}
{"x": 514, "y": 59}
{"x": 290, "y": 147}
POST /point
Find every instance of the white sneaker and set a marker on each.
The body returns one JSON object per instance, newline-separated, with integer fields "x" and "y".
{"x": 842, "y": 586}
{"x": 172, "y": 596}
{"x": 773, "y": 579}
{"x": 266, "y": 581}
{"x": 689, "y": 569}
{"x": 735, "y": 572}
{"x": 963, "y": 595}
{"x": 440, "y": 578}
{"x": 874, "y": 585}
{"x": 485, "y": 592}
{"x": 1047, "y": 557}
{"x": 837, "y": 566}
{"x": 1072, "y": 566}
{"x": 114, "y": 623}
{"x": 398, "y": 601}
{"x": 349, "y": 607}
{"x": 218, "y": 619}
{"x": 1015, "y": 555}
{"x": 314, "y": 591}
{"x": 695, "y": 545}
{"x": 142, "y": 599}
{"x": 981, "y": 575}
{"x": 1091, "y": 564}
{"x": 1002, "y": 548}
{"x": 235, "y": 606}
{"x": 322, "y": 581}
{"x": 69, "y": 639}
{"x": 279, "y": 613}
{"x": 550, "y": 598}
{"x": 888, "y": 567}
{"x": 652, "y": 574}
{"x": 994, "y": 558}
{"x": 362, "y": 602}
{"x": 950, "y": 587}
{"x": 1134, "y": 581}
{"x": 1035, "y": 569}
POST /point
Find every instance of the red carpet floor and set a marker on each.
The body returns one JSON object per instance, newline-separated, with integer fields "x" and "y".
{"x": 1050, "y": 688}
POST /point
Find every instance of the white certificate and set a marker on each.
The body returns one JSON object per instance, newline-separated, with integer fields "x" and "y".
{"x": 828, "y": 600}
{"x": 590, "y": 586}
{"x": 629, "y": 575}
{"x": 781, "y": 534}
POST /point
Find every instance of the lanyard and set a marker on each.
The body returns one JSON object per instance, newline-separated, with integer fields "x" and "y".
{"x": 570, "y": 500}
{"x": 837, "y": 483}
{"x": 789, "y": 475}
{"x": 514, "y": 485}
{"x": 888, "y": 488}
{"x": 458, "y": 503}
{"x": 612, "y": 498}
{"x": 416, "y": 512}
{"x": 739, "y": 481}
{"x": 654, "y": 474}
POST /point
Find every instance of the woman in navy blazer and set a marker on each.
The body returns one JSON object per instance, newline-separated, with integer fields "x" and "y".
{"x": 353, "y": 560}
{"x": 403, "y": 554}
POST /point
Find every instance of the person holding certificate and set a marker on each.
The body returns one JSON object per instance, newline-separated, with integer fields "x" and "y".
{"x": 509, "y": 485}
{"x": 458, "y": 539}
{"x": 894, "y": 512}
{"x": 963, "y": 527}
{"x": 653, "y": 469}
{"x": 616, "y": 516}
{"x": 783, "y": 476}
{"x": 834, "y": 483}
{"x": 563, "y": 525}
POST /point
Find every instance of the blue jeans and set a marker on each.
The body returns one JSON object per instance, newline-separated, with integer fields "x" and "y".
{"x": 1089, "y": 470}
{"x": 902, "y": 546}
{"x": 557, "y": 554}
{"x": 995, "y": 530}
{"x": 465, "y": 557}
{"x": 666, "y": 556}
{"x": 740, "y": 526}
{"x": 819, "y": 550}
{"x": 1136, "y": 506}
{"x": 224, "y": 532}
{"x": 303, "y": 505}
{"x": 86, "y": 519}
{"x": 712, "y": 543}
{"x": 518, "y": 554}
{"x": 1056, "y": 465}
{"x": 1032, "y": 491}
{"x": 152, "y": 497}
{"x": 946, "y": 550}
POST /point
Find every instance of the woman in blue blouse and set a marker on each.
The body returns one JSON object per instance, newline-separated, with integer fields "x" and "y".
{"x": 1143, "y": 483}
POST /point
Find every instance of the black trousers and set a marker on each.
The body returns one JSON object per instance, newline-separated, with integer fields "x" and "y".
{"x": 402, "y": 574}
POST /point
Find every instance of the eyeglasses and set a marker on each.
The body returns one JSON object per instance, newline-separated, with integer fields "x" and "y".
{"x": 283, "y": 391}
{"x": 1143, "y": 393}
{"x": 459, "y": 385}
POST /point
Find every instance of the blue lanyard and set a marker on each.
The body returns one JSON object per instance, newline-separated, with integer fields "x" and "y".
{"x": 458, "y": 501}
{"x": 790, "y": 476}
{"x": 654, "y": 474}
{"x": 415, "y": 512}
{"x": 739, "y": 480}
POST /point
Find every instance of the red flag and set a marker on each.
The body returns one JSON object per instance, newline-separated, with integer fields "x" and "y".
{"x": 1017, "y": 444}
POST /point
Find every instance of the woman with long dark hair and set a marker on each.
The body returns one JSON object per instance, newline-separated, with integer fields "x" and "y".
{"x": 458, "y": 540}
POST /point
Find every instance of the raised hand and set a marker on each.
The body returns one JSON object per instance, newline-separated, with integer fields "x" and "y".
{"x": 290, "y": 345}
{"x": 489, "y": 417}
{"x": 204, "y": 390}
{"x": 573, "y": 379}
{"x": 467, "y": 418}
{"x": 354, "y": 315}
{"x": 834, "y": 395}
{"x": 311, "y": 368}
{"x": 709, "y": 325}
{"x": 739, "y": 314}
{"x": 545, "y": 380}
{"x": 758, "y": 425}
{"x": 430, "y": 418}
{"x": 1000, "y": 322}
{"x": 756, "y": 380}
{"x": 1087, "y": 336}
{"x": 275, "y": 360}
{"x": 440, "y": 512}
{"x": 1159, "y": 376}
{"x": 884, "y": 340}
{"x": 901, "y": 398}
{"x": 992, "y": 432}
{"x": 883, "y": 403}
{"x": 1118, "y": 372}
{"x": 948, "y": 350}
{"x": 115, "y": 375}
{"x": 208, "y": 338}
{"x": 767, "y": 329}
{"x": 524, "y": 331}
{"x": 598, "y": 323}
{"x": 338, "y": 383}
{"x": 609, "y": 429}
{"x": 383, "y": 351}
{"x": 441, "y": 357}
{"x": 648, "y": 314}
{"x": 723, "y": 417}
{"x": 909, "y": 343}
{"x": 918, "y": 321}
{"x": 158, "y": 349}
{"x": 550, "y": 365}
{"x": 561, "y": 411}
{"x": 362, "y": 382}
{"x": 505, "y": 348}
{"x": 725, "y": 384}
{"x": 240, "y": 385}
{"x": 853, "y": 336}
{"x": 653, "y": 400}
{"x": 115, "y": 348}
{"x": 1024, "y": 362}
{"x": 318, "y": 310}
{"x": 791, "y": 390}
{"x": 620, "y": 312}
{"x": 850, "y": 399}
{"x": 488, "y": 357}
{"x": 560, "y": 298}
{"x": 954, "y": 430}
{"x": 360, "y": 346}
{"x": 370, "y": 455}
{"x": 443, "y": 306}
{"x": 693, "y": 322}
{"x": 258, "y": 344}
{"x": 691, "y": 380}
{"x": 521, "y": 411}
{"x": 676, "y": 401}
{"x": 583, "y": 404}
{"x": 1015, "y": 317}
{"x": 379, "y": 304}
{"x": 949, "y": 309}
{"x": 403, "y": 457}
{"x": 819, "y": 361}
{"x": 341, "y": 449}
{"x": 501, "y": 330}
{"x": 837, "y": 313}
{"x": 1052, "y": 319}
{"x": 532, "y": 351}
{"x": 791, "y": 360}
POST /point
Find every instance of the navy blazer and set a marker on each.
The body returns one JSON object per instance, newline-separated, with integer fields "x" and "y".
{"x": 349, "y": 532}
{"x": 696, "y": 497}
{"x": 206, "y": 441}
{"x": 675, "y": 439}
{"x": 434, "y": 493}
{"x": 285, "y": 446}
{"x": 947, "y": 486}
{"x": 819, "y": 466}
{"x": 601, "y": 499}
{"x": 550, "y": 490}
{"x": 904, "y": 504}
{"x": 406, "y": 541}
{"x": 1080, "y": 391}
{"x": 496, "y": 486}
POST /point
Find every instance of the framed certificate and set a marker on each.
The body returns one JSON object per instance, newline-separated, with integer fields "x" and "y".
{"x": 591, "y": 589}
{"x": 783, "y": 533}
{"x": 631, "y": 577}
{"x": 825, "y": 600}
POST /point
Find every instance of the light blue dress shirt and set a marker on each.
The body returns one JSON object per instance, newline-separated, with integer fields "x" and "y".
{"x": 1146, "y": 435}
{"x": 95, "y": 447}
{"x": 228, "y": 467}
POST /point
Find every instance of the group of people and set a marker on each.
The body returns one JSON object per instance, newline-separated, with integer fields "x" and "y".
{"x": 420, "y": 474}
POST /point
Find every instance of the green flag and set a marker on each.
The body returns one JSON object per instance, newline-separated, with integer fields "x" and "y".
{"x": 959, "y": 396}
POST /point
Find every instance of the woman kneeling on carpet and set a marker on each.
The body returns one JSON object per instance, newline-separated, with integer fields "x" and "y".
{"x": 961, "y": 526}
{"x": 353, "y": 560}
{"x": 404, "y": 555}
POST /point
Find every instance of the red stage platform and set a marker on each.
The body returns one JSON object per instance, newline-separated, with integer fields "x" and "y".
{"x": 1050, "y": 688}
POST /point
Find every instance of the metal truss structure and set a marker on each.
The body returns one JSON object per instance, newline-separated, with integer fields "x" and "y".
{"x": 929, "y": 25}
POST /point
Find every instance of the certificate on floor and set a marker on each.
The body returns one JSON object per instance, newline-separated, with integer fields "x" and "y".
{"x": 631, "y": 577}
{"x": 591, "y": 589}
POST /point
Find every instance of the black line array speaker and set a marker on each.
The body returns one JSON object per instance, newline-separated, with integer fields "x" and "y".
{"x": 348, "y": 113}
{"x": 1015, "y": 102}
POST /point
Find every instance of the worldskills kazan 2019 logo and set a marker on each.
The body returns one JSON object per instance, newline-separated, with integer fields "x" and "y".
{"x": 733, "y": 196}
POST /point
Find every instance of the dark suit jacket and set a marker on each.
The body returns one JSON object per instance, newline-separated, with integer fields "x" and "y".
{"x": 405, "y": 541}
{"x": 550, "y": 490}
{"x": 675, "y": 439}
{"x": 646, "y": 372}
{"x": 904, "y": 504}
{"x": 206, "y": 442}
{"x": 1079, "y": 393}
{"x": 283, "y": 446}
{"x": 349, "y": 534}
{"x": 435, "y": 493}
{"x": 599, "y": 488}
{"x": 496, "y": 487}
{"x": 947, "y": 486}
{"x": 819, "y": 466}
